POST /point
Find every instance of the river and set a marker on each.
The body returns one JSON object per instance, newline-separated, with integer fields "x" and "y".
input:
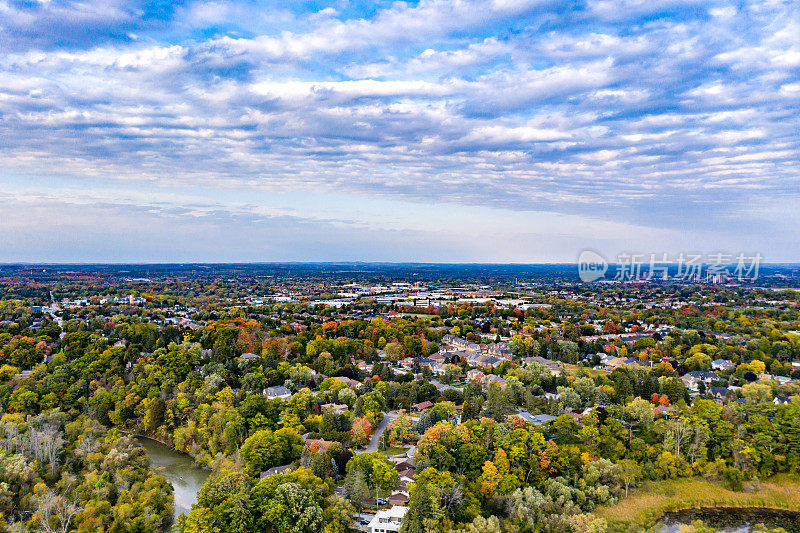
{"x": 732, "y": 520}
{"x": 179, "y": 469}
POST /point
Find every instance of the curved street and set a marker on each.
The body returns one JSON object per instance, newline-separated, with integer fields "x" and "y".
{"x": 376, "y": 436}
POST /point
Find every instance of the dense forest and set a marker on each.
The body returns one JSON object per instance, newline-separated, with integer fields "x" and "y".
{"x": 189, "y": 363}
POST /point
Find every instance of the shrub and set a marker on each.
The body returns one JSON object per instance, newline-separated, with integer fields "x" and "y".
{"x": 734, "y": 478}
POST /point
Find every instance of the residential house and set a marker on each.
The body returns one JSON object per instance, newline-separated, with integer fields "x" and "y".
{"x": 693, "y": 379}
{"x": 664, "y": 410}
{"x": 404, "y": 465}
{"x": 318, "y": 445}
{"x": 491, "y": 378}
{"x": 614, "y": 363}
{"x": 781, "y": 400}
{"x": 387, "y": 521}
{"x": 278, "y": 392}
{"x": 364, "y": 366}
{"x": 408, "y": 473}
{"x": 460, "y": 344}
{"x": 638, "y": 362}
{"x": 449, "y": 339}
{"x": 781, "y": 380}
{"x": 537, "y": 420}
{"x": 471, "y": 358}
{"x": 719, "y": 393}
{"x": 475, "y": 375}
{"x": 499, "y": 349}
{"x": 338, "y": 408}
{"x": 421, "y": 363}
{"x": 461, "y": 355}
{"x": 723, "y": 364}
{"x": 438, "y": 368}
{"x": 25, "y": 374}
{"x": 348, "y": 381}
{"x": 630, "y": 338}
{"x": 407, "y": 363}
{"x": 438, "y": 357}
{"x": 422, "y": 406}
{"x": 397, "y": 498}
{"x": 554, "y": 366}
{"x": 488, "y": 361}
{"x": 276, "y": 470}
{"x": 406, "y": 477}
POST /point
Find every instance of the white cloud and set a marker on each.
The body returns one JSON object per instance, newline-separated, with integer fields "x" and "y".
{"x": 509, "y": 105}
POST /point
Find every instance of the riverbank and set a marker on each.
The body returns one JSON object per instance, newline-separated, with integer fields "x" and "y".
{"x": 180, "y": 469}
{"x": 647, "y": 504}
{"x": 142, "y": 436}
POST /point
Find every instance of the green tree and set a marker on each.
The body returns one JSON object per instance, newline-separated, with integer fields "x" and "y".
{"x": 265, "y": 449}
{"x": 630, "y": 473}
{"x": 293, "y": 510}
{"x": 640, "y": 412}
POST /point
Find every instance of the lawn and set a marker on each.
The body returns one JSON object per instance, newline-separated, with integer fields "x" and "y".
{"x": 645, "y": 505}
{"x": 575, "y": 369}
{"x": 394, "y": 451}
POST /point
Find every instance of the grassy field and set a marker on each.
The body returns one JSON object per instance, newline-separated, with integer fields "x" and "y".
{"x": 645, "y": 505}
{"x": 575, "y": 369}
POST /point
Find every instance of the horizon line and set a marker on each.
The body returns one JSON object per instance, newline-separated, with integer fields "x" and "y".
{"x": 254, "y": 263}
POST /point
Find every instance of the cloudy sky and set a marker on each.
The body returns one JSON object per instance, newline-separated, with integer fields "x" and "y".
{"x": 458, "y": 130}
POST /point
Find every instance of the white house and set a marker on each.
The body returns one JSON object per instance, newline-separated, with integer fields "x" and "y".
{"x": 277, "y": 392}
{"x": 491, "y": 378}
{"x": 781, "y": 380}
{"x": 693, "y": 379}
{"x": 537, "y": 420}
{"x": 475, "y": 375}
{"x": 723, "y": 364}
{"x": 387, "y": 521}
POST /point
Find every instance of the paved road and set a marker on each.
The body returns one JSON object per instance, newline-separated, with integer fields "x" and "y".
{"x": 52, "y": 310}
{"x": 362, "y": 516}
{"x": 376, "y": 437}
{"x": 442, "y": 387}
